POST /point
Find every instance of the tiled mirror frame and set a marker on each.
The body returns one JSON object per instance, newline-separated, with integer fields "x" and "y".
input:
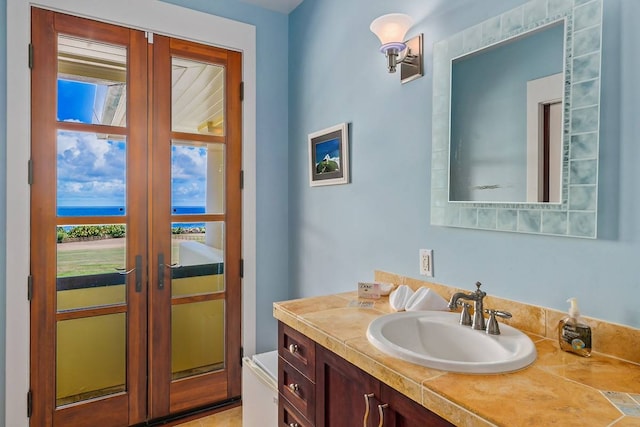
{"x": 576, "y": 215}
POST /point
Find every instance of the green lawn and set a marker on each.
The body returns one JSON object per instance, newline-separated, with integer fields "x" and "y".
{"x": 96, "y": 261}
{"x": 81, "y": 263}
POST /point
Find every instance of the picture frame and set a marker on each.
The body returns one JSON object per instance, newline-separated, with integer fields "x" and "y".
{"x": 329, "y": 156}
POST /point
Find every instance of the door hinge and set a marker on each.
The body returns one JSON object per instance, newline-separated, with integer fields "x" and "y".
{"x": 241, "y": 91}
{"x": 29, "y": 403}
{"x": 242, "y": 180}
{"x": 241, "y": 268}
{"x": 241, "y": 355}
{"x": 30, "y": 172}
{"x": 30, "y": 56}
{"x": 29, "y": 287}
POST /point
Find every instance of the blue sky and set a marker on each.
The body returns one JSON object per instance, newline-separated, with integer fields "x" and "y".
{"x": 91, "y": 171}
{"x": 330, "y": 147}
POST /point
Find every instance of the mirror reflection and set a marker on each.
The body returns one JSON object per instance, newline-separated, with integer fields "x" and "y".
{"x": 506, "y": 117}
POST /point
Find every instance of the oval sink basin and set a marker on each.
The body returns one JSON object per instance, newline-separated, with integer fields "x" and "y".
{"x": 435, "y": 339}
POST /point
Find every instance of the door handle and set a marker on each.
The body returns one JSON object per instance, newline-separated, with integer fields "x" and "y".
{"x": 137, "y": 269}
{"x": 138, "y": 273}
{"x": 367, "y": 409}
{"x": 381, "y": 409}
{"x": 160, "y": 271}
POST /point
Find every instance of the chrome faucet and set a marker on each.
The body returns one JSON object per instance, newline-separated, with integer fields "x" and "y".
{"x": 477, "y": 297}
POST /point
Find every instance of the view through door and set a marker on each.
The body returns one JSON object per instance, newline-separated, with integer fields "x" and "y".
{"x": 135, "y": 224}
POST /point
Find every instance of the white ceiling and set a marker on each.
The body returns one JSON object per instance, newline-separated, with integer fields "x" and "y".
{"x": 282, "y": 6}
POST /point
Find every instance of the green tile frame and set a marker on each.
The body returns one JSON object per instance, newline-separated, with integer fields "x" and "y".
{"x": 576, "y": 215}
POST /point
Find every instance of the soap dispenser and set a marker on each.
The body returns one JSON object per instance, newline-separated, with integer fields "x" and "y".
{"x": 574, "y": 335}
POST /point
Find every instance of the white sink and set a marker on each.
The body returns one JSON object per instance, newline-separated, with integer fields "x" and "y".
{"x": 435, "y": 339}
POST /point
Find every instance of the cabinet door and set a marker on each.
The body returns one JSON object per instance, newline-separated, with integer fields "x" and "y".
{"x": 404, "y": 412}
{"x": 340, "y": 392}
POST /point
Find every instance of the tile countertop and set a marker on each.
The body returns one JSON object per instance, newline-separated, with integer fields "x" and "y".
{"x": 559, "y": 388}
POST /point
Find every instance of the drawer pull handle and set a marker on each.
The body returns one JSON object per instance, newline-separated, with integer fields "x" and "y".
{"x": 294, "y": 425}
{"x": 294, "y": 387}
{"x": 293, "y": 348}
{"x": 366, "y": 409}
{"x": 381, "y": 409}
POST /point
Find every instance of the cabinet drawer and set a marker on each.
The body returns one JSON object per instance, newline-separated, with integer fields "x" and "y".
{"x": 297, "y": 389}
{"x": 297, "y": 349}
{"x": 288, "y": 416}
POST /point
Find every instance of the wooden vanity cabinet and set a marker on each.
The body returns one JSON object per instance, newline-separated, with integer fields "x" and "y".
{"x": 341, "y": 391}
{"x": 296, "y": 378}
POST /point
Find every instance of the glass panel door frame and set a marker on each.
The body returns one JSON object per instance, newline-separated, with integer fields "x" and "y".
{"x": 168, "y": 395}
{"x": 128, "y": 407}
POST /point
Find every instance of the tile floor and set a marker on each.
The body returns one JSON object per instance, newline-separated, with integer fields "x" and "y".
{"x": 229, "y": 418}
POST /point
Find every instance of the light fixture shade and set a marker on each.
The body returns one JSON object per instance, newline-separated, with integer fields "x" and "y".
{"x": 391, "y": 29}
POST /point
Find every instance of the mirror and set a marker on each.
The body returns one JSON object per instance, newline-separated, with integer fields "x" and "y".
{"x": 491, "y": 89}
{"x": 516, "y": 121}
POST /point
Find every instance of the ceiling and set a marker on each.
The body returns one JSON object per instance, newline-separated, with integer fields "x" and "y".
{"x": 282, "y": 6}
{"x": 197, "y": 89}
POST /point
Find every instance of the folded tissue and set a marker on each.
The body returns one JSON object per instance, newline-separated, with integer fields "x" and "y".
{"x": 398, "y": 299}
{"x": 426, "y": 299}
{"x": 404, "y": 298}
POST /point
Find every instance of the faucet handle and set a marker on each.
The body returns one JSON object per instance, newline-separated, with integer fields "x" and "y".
{"x": 465, "y": 317}
{"x": 479, "y": 293}
{"x": 492, "y": 324}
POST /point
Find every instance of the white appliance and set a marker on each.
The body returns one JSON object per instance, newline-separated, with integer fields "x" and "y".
{"x": 260, "y": 390}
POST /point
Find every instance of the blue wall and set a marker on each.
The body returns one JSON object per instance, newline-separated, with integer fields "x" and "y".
{"x": 271, "y": 153}
{"x": 3, "y": 195}
{"x": 489, "y": 115}
{"x": 381, "y": 219}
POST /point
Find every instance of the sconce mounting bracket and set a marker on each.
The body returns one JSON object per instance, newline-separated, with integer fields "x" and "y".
{"x": 412, "y": 67}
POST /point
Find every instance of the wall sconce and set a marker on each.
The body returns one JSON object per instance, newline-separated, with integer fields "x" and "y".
{"x": 391, "y": 30}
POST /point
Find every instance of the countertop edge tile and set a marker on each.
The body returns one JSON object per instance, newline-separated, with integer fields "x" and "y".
{"x": 390, "y": 377}
{"x": 451, "y": 411}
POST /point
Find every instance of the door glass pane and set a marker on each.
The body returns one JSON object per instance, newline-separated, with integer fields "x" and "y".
{"x": 91, "y": 82}
{"x": 90, "y": 174}
{"x": 197, "y": 338}
{"x": 87, "y": 259}
{"x": 197, "y": 97}
{"x": 90, "y": 358}
{"x": 197, "y": 178}
{"x": 197, "y": 251}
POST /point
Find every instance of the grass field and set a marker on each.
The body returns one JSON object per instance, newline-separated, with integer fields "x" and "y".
{"x": 84, "y": 262}
{"x": 94, "y": 259}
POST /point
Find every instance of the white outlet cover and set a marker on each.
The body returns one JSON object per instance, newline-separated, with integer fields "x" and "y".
{"x": 426, "y": 262}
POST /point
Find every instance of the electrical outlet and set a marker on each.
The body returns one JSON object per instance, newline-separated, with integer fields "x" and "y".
{"x": 426, "y": 262}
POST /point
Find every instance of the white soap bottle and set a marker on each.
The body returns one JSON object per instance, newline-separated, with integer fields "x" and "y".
{"x": 573, "y": 334}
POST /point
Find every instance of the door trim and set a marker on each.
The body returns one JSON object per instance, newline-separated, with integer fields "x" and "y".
{"x": 149, "y": 15}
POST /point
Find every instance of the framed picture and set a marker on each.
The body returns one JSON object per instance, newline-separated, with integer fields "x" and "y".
{"x": 329, "y": 156}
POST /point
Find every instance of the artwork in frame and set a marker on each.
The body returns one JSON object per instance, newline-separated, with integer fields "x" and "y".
{"x": 329, "y": 156}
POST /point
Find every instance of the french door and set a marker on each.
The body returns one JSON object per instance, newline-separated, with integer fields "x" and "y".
{"x": 135, "y": 224}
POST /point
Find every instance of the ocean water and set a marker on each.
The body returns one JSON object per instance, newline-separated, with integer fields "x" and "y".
{"x": 80, "y": 211}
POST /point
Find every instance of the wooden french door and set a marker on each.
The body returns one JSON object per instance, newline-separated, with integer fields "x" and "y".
{"x": 135, "y": 224}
